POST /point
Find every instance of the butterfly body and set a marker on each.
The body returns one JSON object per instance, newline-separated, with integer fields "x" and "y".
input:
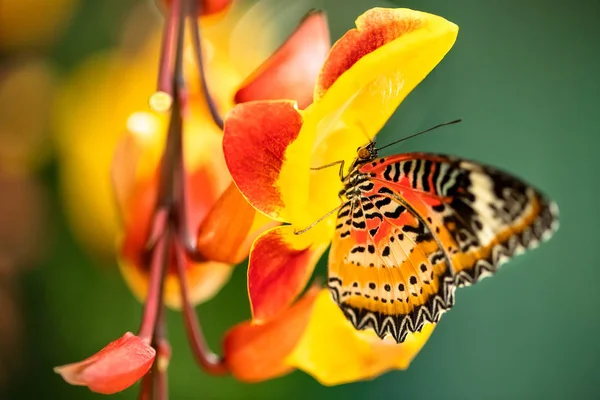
{"x": 414, "y": 227}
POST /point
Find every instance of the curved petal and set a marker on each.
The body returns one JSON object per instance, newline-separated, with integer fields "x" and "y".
{"x": 369, "y": 71}
{"x": 226, "y": 227}
{"x": 114, "y": 368}
{"x": 255, "y": 140}
{"x": 279, "y": 268}
{"x": 257, "y": 352}
{"x": 333, "y": 352}
{"x": 135, "y": 157}
{"x": 291, "y": 72}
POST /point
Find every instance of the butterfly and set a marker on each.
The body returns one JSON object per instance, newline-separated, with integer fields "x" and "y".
{"x": 414, "y": 227}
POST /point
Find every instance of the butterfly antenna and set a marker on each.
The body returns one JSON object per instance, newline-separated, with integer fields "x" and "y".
{"x": 300, "y": 232}
{"x": 363, "y": 130}
{"x": 456, "y": 121}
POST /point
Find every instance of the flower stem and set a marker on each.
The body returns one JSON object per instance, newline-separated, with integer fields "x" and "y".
{"x": 153, "y": 302}
{"x": 169, "y": 231}
{"x": 146, "y": 386}
{"x": 167, "y": 54}
{"x": 197, "y": 44}
{"x": 163, "y": 354}
{"x": 209, "y": 361}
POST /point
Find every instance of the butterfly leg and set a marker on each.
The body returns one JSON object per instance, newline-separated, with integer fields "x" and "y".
{"x": 340, "y": 162}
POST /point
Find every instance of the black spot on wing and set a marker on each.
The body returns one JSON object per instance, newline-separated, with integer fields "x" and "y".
{"x": 382, "y": 202}
{"x": 396, "y": 213}
{"x": 359, "y": 225}
{"x": 425, "y": 175}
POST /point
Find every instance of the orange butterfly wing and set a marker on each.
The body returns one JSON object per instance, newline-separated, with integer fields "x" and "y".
{"x": 416, "y": 226}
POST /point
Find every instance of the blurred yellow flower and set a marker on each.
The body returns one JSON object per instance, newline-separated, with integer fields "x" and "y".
{"x": 32, "y": 23}
{"x": 107, "y": 95}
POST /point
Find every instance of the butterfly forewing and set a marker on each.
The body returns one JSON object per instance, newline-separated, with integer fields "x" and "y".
{"x": 416, "y": 226}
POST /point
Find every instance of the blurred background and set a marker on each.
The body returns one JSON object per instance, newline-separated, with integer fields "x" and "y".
{"x": 523, "y": 75}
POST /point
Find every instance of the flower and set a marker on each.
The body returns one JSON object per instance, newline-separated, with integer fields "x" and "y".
{"x": 269, "y": 149}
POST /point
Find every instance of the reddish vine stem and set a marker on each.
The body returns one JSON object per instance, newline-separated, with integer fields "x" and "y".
{"x": 169, "y": 230}
{"x": 146, "y": 386}
{"x": 160, "y": 387}
{"x": 170, "y": 32}
{"x": 197, "y": 44}
{"x": 155, "y": 285}
{"x": 210, "y": 362}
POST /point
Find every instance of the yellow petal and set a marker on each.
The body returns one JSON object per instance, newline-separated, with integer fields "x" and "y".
{"x": 358, "y": 100}
{"x": 333, "y": 352}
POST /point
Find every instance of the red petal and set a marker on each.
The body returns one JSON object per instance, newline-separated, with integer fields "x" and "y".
{"x": 114, "y": 368}
{"x": 280, "y": 265}
{"x": 255, "y": 140}
{"x": 258, "y": 352}
{"x": 291, "y": 72}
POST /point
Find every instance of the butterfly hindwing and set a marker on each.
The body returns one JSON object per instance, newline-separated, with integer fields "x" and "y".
{"x": 428, "y": 224}
{"x": 386, "y": 271}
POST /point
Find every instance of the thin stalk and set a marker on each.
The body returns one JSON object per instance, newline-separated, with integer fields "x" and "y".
{"x": 153, "y": 301}
{"x": 146, "y": 386}
{"x": 197, "y": 44}
{"x": 170, "y": 32}
{"x": 209, "y": 361}
{"x": 160, "y": 385}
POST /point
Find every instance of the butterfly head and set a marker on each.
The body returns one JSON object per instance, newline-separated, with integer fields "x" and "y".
{"x": 366, "y": 153}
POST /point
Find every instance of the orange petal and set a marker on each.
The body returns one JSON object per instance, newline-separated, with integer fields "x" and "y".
{"x": 255, "y": 140}
{"x": 225, "y": 228}
{"x": 291, "y": 72}
{"x": 257, "y": 352}
{"x": 114, "y": 368}
{"x": 333, "y": 352}
{"x": 280, "y": 265}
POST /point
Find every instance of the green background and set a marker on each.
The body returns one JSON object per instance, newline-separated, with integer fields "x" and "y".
{"x": 523, "y": 76}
